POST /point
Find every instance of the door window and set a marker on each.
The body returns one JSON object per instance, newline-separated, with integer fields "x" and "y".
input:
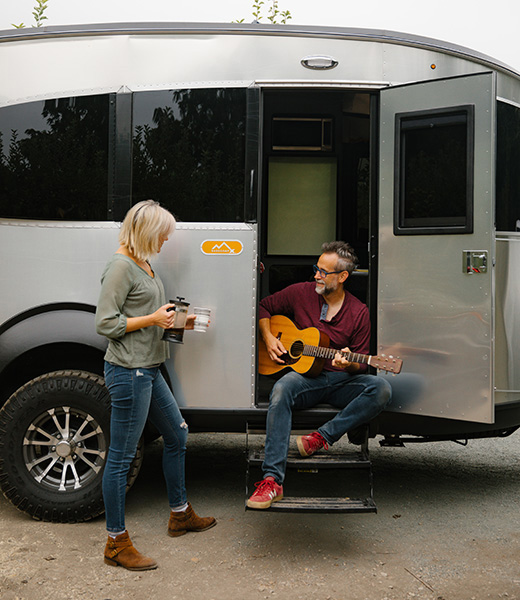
{"x": 434, "y": 172}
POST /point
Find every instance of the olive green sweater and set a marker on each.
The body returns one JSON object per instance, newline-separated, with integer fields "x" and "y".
{"x": 128, "y": 291}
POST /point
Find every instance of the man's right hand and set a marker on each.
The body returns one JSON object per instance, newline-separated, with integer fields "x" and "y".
{"x": 275, "y": 348}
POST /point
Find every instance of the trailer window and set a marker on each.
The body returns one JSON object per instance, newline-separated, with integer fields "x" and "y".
{"x": 301, "y": 204}
{"x": 54, "y": 159}
{"x": 508, "y": 171}
{"x": 189, "y": 152}
{"x": 434, "y": 172}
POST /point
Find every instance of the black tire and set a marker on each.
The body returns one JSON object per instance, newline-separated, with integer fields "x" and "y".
{"x": 54, "y": 438}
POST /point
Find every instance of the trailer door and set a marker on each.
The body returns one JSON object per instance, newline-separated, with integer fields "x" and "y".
{"x": 436, "y": 245}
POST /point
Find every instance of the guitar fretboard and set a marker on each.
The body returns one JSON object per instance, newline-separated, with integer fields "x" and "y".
{"x": 329, "y": 353}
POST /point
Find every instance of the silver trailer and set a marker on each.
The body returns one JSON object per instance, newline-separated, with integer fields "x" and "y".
{"x": 264, "y": 141}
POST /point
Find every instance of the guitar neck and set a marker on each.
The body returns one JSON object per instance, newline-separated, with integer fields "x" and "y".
{"x": 330, "y": 353}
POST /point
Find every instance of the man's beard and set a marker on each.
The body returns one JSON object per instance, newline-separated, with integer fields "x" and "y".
{"x": 324, "y": 289}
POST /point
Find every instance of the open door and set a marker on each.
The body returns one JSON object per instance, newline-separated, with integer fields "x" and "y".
{"x": 436, "y": 245}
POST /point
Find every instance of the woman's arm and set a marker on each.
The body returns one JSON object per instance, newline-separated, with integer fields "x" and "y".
{"x": 162, "y": 317}
{"x": 110, "y": 318}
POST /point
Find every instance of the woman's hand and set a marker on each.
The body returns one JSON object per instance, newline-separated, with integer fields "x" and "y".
{"x": 161, "y": 317}
{"x": 164, "y": 317}
{"x": 190, "y": 321}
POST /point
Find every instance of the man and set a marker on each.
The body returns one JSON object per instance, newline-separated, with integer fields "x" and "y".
{"x": 326, "y": 305}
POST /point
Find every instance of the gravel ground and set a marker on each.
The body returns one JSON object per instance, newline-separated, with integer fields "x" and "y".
{"x": 447, "y": 528}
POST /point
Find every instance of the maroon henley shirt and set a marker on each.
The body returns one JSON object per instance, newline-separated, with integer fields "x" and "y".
{"x": 348, "y": 328}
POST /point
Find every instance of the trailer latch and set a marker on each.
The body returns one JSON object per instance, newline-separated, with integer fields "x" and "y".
{"x": 474, "y": 261}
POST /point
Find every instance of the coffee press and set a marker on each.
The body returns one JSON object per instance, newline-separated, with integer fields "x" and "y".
{"x": 176, "y": 333}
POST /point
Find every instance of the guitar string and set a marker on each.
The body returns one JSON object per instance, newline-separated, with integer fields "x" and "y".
{"x": 321, "y": 352}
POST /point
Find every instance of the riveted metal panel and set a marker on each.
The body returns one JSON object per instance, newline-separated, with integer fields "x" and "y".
{"x": 436, "y": 315}
{"x": 214, "y": 266}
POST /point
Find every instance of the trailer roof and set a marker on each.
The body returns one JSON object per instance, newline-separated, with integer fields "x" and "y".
{"x": 255, "y": 28}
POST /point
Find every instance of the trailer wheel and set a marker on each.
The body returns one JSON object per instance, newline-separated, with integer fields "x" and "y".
{"x": 54, "y": 438}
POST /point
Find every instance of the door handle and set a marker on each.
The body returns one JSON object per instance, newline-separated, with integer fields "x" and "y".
{"x": 474, "y": 261}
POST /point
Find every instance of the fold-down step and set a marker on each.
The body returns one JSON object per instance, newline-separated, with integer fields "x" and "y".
{"x": 322, "y": 505}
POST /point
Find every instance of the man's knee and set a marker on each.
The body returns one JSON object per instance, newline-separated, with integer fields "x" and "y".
{"x": 283, "y": 390}
{"x": 383, "y": 391}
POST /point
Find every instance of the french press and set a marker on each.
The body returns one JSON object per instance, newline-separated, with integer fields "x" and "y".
{"x": 176, "y": 333}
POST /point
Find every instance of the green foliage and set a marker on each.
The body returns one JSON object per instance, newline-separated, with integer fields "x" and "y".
{"x": 39, "y": 17}
{"x": 188, "y": 153}
{"x": 274, "y": 14}
{"x": 39, "y": 9}
{"x": 56, "y": 169}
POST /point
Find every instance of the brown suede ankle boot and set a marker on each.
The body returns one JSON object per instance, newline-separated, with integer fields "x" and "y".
{"x": 120, "y": 552}
{"x": 182, "y": 522}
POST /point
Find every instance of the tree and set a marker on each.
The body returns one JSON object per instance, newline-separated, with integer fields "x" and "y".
{"x": 274, "y": 14}
{"x": 58, "y": 168}
{"x": 189, "y": 152}
{"x": 39, "y": 17}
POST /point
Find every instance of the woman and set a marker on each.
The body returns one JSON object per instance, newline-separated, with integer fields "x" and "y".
{"x": 132, "y": 313}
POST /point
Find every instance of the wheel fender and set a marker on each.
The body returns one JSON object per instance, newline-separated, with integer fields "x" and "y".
{"x": 47, "y": 325}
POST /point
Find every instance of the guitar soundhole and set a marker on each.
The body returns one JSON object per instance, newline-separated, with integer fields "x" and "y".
{"x": 296, "y": 349}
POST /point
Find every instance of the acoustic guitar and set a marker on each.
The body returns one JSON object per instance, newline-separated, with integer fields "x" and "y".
{"x": 308, "y": 349}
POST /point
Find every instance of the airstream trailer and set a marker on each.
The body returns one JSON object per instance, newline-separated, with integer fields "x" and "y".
{"x": 264, "y": 141}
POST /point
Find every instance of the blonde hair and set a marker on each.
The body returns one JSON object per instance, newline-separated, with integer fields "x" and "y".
{"x": 143, "y": 227}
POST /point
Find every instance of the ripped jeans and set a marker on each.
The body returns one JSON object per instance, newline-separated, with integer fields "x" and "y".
{"x": 137, "y": 395}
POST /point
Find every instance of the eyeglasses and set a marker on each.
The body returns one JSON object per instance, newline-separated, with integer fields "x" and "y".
{"x": 324, "y": 273}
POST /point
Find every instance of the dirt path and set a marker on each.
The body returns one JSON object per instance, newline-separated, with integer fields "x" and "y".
{"x": 447, "y": 528}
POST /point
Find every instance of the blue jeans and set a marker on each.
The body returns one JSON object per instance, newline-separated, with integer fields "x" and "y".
{"x": 360, "y": 398}
{"x": 138, "y": 395}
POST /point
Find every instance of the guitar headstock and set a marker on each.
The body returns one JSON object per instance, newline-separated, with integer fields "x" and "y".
{"x": 390, "y": 364}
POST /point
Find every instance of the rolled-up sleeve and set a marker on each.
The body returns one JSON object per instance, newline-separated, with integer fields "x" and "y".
{"x": 116, "y": 283}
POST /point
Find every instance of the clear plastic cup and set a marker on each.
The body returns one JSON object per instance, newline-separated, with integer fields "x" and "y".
{"x": 201, "y": 319}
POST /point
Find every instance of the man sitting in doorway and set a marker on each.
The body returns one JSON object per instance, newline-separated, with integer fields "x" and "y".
{"x": 326, "y": 305}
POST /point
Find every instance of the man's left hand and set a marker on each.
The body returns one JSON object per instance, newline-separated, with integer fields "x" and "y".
{"x": 340, "y": 362}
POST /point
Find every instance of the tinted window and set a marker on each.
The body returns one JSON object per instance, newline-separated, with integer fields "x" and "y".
{"x": 189, "y": 152}
{"x": 508, "y": 168}
{"x": 434, "y": 173}
{"x": 54, "y": 159}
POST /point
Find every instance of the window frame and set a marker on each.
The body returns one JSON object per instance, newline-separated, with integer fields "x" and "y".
{"x": 35, "y": 124}
{"x": 417, "y": 120}
{"x": 245, "y": 101}
{"x": 507, "y": 212}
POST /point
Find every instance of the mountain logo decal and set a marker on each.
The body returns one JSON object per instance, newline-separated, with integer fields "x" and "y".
{"x": 222, "y": 247}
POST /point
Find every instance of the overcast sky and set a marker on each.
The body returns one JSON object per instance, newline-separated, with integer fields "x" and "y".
{"x": 488, "y": 27}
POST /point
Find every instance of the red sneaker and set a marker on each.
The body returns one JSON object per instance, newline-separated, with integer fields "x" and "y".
{"x": 267, "y": 492}
{"x": 309, "y": 444}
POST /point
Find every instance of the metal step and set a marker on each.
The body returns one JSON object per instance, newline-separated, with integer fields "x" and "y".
{"x": 356, "y": 459}
{"x": 326, "y": 460}
{"x": 321, "y": 505}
